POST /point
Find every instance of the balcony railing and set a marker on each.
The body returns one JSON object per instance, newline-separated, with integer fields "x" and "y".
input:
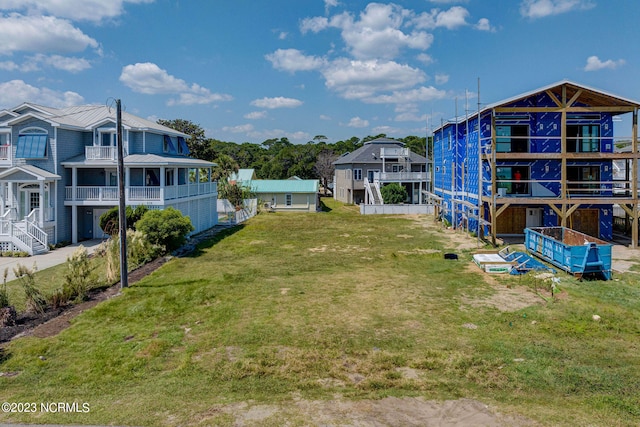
{"x": 402, "y": 176}
{"x": 101, "y": 153}
{"x": 394, "y": 152}
{"x": 5, "y": 152}
{"x": 139, "y": 194}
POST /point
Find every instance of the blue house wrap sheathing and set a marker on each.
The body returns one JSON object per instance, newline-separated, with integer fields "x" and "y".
{"x": 542, "y": 158}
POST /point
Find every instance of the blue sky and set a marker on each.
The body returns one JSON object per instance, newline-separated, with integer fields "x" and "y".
{"x": 250, "y": 70}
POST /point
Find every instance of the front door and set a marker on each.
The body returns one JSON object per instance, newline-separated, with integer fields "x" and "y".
{"x": 29, "y": 199}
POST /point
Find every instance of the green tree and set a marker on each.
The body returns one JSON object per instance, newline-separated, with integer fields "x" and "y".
{"x": 393, "y": 193}
{"x": 110, "y": 221}
{"x": 225, "y": 166}
{"x": 167, "y": 228}
{"x": 198, "y": 144}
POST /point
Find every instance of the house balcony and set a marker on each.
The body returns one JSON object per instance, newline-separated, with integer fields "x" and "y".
{"x": 402, "y": 176}
{"x": 108, "y": 195}
{"x": 393, "y": 152}
{"x": 101, "y": 153}
{"x": 5, "y": 155}
{"x": 596, "y": 192}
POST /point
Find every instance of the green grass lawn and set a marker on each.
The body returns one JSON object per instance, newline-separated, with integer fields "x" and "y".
{"x": 317, "y": 305}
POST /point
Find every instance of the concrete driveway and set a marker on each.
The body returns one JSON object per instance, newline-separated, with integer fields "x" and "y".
{"x": 51, "y": 258}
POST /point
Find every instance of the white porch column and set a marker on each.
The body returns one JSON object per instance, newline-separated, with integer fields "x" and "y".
{"x": 74, "y": 224}
{"x": 41, "y": 204}
{"x": 127, "y": 179}
{"x": 10, "y": 195}
{"x": 3, "y": 191}
{"x": 74, "y": 182}
{"x": 162, "y": 182}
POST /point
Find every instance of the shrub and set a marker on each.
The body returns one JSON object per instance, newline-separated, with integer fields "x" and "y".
{"x": 393, "y": 193}
{"x": 33, "y": 297}
{"x": 167, "y": 228}
{"x": 4, "y": 296}
{"x": 110, "y": 220}
{"x": 76, "y": 278}
{"x": 139, "y": 252}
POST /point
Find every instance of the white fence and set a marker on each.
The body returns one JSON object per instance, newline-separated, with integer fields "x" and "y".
{"x": 396, "y": 209}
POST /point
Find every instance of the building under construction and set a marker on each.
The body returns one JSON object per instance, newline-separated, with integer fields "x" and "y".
{"x": 542, "y": 158}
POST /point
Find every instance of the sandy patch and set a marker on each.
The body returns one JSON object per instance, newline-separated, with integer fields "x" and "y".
{"x": 390, "y": 411}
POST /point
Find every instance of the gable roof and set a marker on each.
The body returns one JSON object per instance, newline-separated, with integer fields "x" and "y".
{"x": 285, "y": 186}
{"x": 88, "y": 117}
{"x": 587, "y": 96}
{"x": 370, "y": 152}
{"x": 243, "y": 175}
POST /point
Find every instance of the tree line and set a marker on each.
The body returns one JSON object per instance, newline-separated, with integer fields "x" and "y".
{"x": 277, "y": 158}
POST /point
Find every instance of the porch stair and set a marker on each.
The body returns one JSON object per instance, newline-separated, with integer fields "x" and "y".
{"x": 23, "y": 235}
{"x": 373, "y": 191}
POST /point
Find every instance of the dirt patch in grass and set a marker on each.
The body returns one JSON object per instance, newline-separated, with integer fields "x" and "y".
{"x": 390, "y": 411}
{"x": 504, "y": 298}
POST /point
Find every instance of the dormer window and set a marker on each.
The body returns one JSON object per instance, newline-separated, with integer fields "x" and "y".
{"x": 168, "y": 146}
{"x": 183, "y": 148}
{"x": 32, "y": 144}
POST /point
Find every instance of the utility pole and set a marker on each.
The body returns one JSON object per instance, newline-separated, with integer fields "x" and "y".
{"x": 122, "y": 217}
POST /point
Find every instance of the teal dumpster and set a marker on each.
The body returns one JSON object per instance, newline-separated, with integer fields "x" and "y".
{"x": 572, "y": 251}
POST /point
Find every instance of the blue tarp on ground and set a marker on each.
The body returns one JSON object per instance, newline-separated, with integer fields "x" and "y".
{"x": 524, "y": 262}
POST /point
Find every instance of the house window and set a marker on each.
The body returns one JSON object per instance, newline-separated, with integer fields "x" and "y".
{"x": 580, "y": 179}
{"x": 32, "y": 144}
{"x": 509, "y": 179}
{"x": 288, "y": 199}
{"x": 169, "y": 177}
{"x": 357, "y": 174}
{"x": 512, "y": 139}
{"x": 450, "y": 141}
{"x": 583, "y": 138}
{"x": 371, "y": 175}
{"x": 183, "y": 148}
{"x": 168, "y": 146}
{"x": 397, "y": 168}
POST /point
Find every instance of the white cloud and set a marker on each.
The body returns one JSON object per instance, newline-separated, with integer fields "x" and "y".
{"x": 328, "y": 4}
{"x": 277, "y": 102}
{"x": 357, "y": 122}
{"x": 149, "y": 79}
{"x": 540, "y": 8}
{"x": 238, "y": 129}
{"x": 315, "y": 24}
{"x": 442, "y": 79}
{"x": 376, "y": 33}
{"x": 86, "y": 10}
{"x": 65, "y": 63}
{"x": 421, "y": 94}
{"x": 362, "y": 79}
{"x": 16, "y": 92}
{"x": 264, "y": 134}
{"x": 293, "y": 60}
{"x": 594, "y": 64}
{"x": 425, "y": 58}
{"x": 484, "y": 25}
{"x": 283, "y": 35}
{"x": 8, "y": 66}
{"x": 41, "y": 34}
{"x": 324, "y": 117}
{"x": 255, "y": 115}
{"x": 450, "y": 19}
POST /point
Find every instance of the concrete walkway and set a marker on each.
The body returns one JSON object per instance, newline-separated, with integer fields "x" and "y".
{"x": 51, "y": 258}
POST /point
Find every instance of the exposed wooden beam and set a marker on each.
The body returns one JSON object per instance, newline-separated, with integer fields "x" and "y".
{"x": 553, "y": 98}
{"x": 574, "y": 98}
